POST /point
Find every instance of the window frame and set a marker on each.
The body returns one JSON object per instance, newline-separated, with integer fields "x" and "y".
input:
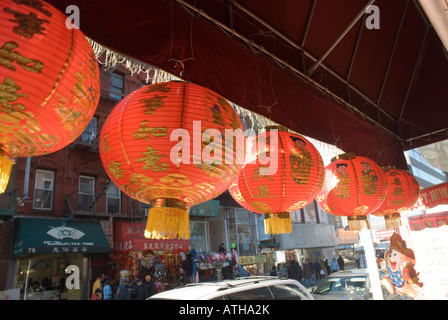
{"x": 108, "y": 198}
{"x": 51, "y": 189}
{"x": 89, "y": 131}
{"x": 80, "y": 207}
{"x": 114, "y": 91}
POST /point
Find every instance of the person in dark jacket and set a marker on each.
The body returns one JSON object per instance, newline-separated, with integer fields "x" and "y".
{"x": 150, "y": 286}
{"x": 138, "y": 290}
{"x": 125, "y": 293}
{"x": 341, "y": 263}
{"x": 295, "y": 271}
{"x": 307, "y": 273}
{"x": 273, "y": 272}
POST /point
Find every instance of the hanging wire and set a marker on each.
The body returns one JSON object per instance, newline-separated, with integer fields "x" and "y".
{"x": 178, "y": 61}
{"x": 251, "y": 120}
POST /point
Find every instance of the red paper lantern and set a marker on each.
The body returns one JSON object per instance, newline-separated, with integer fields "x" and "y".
{"x": 49, "y": 81}
{"x": 354, "y": 187}
{"x": 403, "y": 193}
{"x": 166, "y": 144}
{"x": 290, "y": 181}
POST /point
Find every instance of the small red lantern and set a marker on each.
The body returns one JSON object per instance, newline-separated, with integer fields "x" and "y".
{"x": 403, "y": 193}
{"x": 164, "y": 144}
{"x": 49, "y": 81}
{"x": 290, "y": 180}
{"x": 354, "y": 187}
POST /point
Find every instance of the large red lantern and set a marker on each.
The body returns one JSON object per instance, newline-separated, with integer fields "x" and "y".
{"x": 172, "y": 145}
{"x": 354, "y": 187}
{"x": 49, "y": 82}
{"x": 284, "y": 173}
{"x": 403, "y": 192}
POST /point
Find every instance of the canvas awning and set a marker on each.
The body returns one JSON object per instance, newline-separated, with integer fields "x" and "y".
{"x": 312, "y": 66}
{"x": 42, "y": 236}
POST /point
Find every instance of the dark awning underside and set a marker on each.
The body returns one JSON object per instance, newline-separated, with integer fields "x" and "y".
{"x": 376, "y": 93}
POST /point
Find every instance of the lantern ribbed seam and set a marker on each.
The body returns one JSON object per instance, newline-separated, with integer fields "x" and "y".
{"x": 317, "y": 175}
{"x": 358, "y": 191}
{"x": 183, "y": 107}
{"x": 58, "y": 80}
{"x": 284, "y": 164}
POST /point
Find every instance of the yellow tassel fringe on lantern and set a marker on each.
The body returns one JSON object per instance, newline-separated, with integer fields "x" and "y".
{"x": 5, "y": 171}
{"x": 278, "y": 223}
{"x": 393, "y": 221}
{"x": 358, "y": 223}
{"x": 168, "y": 222}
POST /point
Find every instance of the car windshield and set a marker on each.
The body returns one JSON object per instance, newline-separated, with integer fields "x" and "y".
{"x": 342, "y": 285}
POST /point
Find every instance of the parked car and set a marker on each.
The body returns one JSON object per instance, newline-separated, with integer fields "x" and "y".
{"x": 247, "y": 288}
{"x": 348, "y": 285}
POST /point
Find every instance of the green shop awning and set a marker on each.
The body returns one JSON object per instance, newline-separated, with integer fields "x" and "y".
{"x": 42, "y": 236}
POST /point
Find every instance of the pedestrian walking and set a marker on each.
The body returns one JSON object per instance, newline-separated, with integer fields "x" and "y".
{"x": 149, "y": 286}
{"x": 125, "y": 293}
{"x": 327, "y": 266}
{"x": 311, "y": 264}
{"x": 98, "y": 285}
{"x": 317, "y": 269}
{"x": 273, "y": 272}
{"x": 292, "y": 270}
{"x": 138, "y": 290}
{"x": 334, "y": 265}
{"x": 341, "y": 263}
{"x": 107, "y": 290}
{"x": 307, "y": 273}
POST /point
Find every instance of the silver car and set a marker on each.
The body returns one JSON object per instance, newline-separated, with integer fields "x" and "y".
{"x": 247, "y": 288}
{"x": 347, "y": 285}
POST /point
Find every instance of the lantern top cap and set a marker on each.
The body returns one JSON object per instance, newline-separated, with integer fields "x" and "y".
{"x": 389, "y": 168}
{"x": 344, "y": 156}
{"x": 275, "y": 127}
{"x": 165, "y": 202}
{"x": 357, "y": 217}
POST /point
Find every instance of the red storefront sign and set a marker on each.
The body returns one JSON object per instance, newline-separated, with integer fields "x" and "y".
{"x": 129, "y": 236}
{"x": 384, "y": 234}
{"x": 434, "y": 220}
{"x": 435, "y": 195}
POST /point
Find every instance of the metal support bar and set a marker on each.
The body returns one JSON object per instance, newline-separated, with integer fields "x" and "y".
{"x": 414, "y": 72}
{"x": 393, "y": 52}
{"x": 341, "y": 36}
{"x": 304, "y": 77}
{"x": 293, "y": 44}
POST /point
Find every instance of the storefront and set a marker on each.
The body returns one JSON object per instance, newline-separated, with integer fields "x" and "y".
{"x": 44, "y": 248}
{"x": 433, "y": 220}
{"x": 167, "y": 261}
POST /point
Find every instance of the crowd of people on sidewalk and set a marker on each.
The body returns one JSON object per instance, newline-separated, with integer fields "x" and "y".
{"x": 108, "y": 289}
{"x": 312, "y": 271}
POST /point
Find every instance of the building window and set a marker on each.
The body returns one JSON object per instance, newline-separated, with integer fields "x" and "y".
{"x": 144, "y": 208}
{"x": 43, "y": 191}
{"x": 113, "y": 199}
{"x": 199, "y": 236}
{"x": 90, "y": 133}
{"x": 116, "y": 86}
{"x": 86, "y": 193}
{"x": 42, "y": 277}
{"x": 242, "y": 231}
